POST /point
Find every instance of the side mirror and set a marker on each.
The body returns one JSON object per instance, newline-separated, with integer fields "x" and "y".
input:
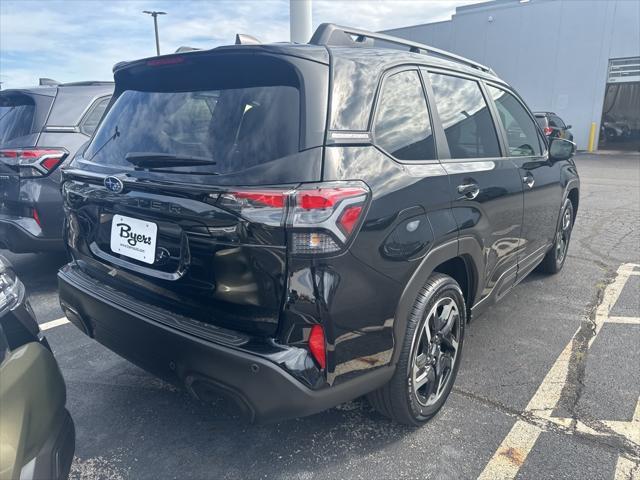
{"x": 561, "y": 149}
{"x": 568, "y": 126}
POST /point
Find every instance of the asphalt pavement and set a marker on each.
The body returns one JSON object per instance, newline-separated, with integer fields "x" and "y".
{"x": 549, "y": 385}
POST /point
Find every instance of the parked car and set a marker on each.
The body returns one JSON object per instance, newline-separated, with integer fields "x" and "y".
{"x": 553, "y": 126}
{"x": 37, "y": 438}
{"x": 311, "y": 223}
{"x": 613, "y": 130}
{"x": 40, "y": 128}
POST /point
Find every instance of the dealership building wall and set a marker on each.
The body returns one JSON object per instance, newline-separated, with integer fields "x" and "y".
{"x": 556, "y": 53}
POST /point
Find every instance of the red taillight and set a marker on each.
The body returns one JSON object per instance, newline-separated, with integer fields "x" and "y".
{"x": 547, "y": 131}
{"x": 36, "y": 217}
{"x": 51, "y": 163}
{"x": 317, "y": 345}
{"x": 34, "y": 162}
{"x": 321, "y": 217}
{"x": 324, "y": 217}
{"x": 267, "y": 198}
{"x": 326, "y": 197}
{"x": 349, "y": 218}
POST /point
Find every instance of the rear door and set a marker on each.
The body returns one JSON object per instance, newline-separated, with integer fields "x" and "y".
{"x": 486, "y": 190}
{"x": 541, "y": 177}
{"x": 204, "y": 241}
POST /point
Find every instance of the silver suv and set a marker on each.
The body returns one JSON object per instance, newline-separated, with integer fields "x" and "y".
{"x": 40, "y": 128}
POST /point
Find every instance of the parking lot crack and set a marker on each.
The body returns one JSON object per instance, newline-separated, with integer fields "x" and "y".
{"x": 604, "y": 437}
{"x": 574, "y": 384}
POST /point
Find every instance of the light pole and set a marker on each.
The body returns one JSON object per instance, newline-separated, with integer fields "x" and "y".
{"x": 155, "y": 14}
{"x": 300, "y": 20}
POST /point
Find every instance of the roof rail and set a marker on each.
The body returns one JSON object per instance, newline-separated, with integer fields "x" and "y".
{"x": 330, "y": 34}
{"x": 244, "y": 39}
{"x": 88, "y": 83}
{"x": 185, "y": 49}
{"x": 47, "y": 82}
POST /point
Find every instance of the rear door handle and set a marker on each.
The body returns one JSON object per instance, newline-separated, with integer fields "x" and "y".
{"x": 528, "y": 180}
{"x": 469, "y": 190}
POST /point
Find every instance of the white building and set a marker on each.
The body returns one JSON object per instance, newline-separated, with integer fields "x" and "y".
{"x": 577, "y": 58}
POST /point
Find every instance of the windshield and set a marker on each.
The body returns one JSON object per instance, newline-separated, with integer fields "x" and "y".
{"x": 237, "y": 128}
{"x": 16, "y": 117}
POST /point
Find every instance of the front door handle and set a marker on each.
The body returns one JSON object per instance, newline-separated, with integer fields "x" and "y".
{"x": 469, "y": 191}
{"x": 528, "y": 180}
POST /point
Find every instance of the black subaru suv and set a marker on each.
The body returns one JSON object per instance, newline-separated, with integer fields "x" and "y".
{"x": 40, "y": 128}
{"x": 298, "y": 225}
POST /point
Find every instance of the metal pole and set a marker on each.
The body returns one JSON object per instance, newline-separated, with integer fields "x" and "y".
{"x": 300, "y": 20}
{"x": 155, "y": 14}
{"x": 155, "y": 25}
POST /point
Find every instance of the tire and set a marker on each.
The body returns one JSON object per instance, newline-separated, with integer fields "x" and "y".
{"x": 441, "y": 302}
{"x": 555, "y": 258}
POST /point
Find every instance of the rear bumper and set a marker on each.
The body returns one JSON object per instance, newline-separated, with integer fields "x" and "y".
{"x": 263, "y": 390}
{"x": 23, "y": 235}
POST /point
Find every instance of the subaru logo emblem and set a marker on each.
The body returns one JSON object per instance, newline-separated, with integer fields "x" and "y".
{"x": 114, "y": 184}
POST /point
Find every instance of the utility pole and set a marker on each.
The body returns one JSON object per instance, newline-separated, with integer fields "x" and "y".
{"x": 155, "y": 14}
{"x": 300, "y": 20}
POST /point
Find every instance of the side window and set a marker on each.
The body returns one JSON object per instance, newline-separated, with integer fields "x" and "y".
{"x": 91, "y": 120}
{"x": 522, "y": 133}
{"x": 402, "y": 125}
{"x": 465, "y": 117}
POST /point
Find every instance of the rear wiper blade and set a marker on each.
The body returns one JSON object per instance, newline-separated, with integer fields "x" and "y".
{"x": 149, "y": 160}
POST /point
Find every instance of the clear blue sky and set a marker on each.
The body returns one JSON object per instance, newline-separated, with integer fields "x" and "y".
{"x": 76, "y": 40}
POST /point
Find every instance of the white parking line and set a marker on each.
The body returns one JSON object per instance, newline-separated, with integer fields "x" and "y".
{"x": 514, "y": 449}
{"x": 625, "y": 470}
{"x": 625, "y": 320}
{"x": 54, "y": 323}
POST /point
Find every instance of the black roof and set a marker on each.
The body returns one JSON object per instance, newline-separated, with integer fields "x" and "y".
{"x": 330, "y": 39}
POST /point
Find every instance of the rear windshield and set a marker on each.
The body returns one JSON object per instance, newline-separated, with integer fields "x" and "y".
{"x": 542, "y": 121}
{"x": 233, "y": 119}
{"x": 16, "y": 116}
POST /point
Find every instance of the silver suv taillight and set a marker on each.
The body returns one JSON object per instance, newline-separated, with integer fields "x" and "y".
{"x": 321, "y": 218}
{"x": 33, "y": 162}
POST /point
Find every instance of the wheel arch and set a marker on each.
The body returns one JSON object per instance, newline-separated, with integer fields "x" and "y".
{"x": 460, "y": 259}
{"x": 574, "y": 196}
{"x": 460, "y": 269}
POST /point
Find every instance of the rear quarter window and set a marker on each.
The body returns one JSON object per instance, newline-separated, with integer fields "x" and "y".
{"x": 92, "y": 118}
{"x": 402, "y": 126}
{"x": 16, "y": 117}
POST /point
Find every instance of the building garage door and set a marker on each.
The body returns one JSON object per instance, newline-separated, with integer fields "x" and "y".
{"x": 620, "y": 124}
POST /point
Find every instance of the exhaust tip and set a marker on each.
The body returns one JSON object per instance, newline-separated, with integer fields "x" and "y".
{"x": 77, "y": 319}
{"x": 210, "y": 391}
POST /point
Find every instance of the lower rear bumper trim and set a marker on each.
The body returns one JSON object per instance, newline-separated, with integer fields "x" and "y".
{"x": 263, "y": 390}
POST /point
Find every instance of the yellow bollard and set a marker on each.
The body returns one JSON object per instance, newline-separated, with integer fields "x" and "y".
{"x": 592, "y": 136}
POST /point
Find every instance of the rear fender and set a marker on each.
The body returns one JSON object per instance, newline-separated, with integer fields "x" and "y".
{"x": 466, "y": 248}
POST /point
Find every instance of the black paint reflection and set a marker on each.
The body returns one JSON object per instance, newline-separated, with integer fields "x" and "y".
{"x": 465, "y": 117}
{"x": 402, "y": 124}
